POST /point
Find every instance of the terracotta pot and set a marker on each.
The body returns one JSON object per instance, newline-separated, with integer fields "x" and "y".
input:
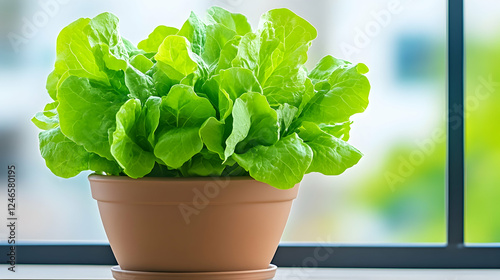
{"x": 192, "y": 224}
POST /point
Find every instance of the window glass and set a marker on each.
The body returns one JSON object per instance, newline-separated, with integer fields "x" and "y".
{"x": 482, "y": 116}
{"x": 396, "y": 194}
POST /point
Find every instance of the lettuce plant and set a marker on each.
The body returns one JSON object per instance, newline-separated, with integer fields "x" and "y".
{"x": 213, "y": 98}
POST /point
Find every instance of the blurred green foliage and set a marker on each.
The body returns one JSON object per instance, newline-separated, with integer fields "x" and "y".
{"x": 483, "y": 141}
{"x": 410, "y": 196}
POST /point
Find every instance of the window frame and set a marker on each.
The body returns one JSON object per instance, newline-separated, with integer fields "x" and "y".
{"x": 454, "y": 254}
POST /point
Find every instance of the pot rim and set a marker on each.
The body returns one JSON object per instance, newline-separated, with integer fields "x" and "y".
{"x": 161, "y": 190}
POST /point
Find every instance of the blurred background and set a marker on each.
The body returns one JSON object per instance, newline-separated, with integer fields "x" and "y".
{"x": 396, "y": 194}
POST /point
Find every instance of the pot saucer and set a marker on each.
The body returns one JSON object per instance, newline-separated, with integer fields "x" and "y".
{"x": 260, "y": 274}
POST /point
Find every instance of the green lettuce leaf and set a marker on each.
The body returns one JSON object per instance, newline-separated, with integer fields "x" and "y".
{"x": 194, "y": 30}
{"x": 340, "y": 130}
{"x": 344, "y": 93}
{"x": 211, "y": 99}
{"x": 175, "y": 58}
{"x": 228, "y": 53}
{"x": 74, "y": 56}
{"x": 87, "y": 111}
{"x": 217, "y": 36}
{"x": 212, "y": 135}
{"x": 141, "y": 63}
{"x": 237, "y": 81}
{"x": 182, "y": 108}
{"x": 132, "y": 50}
{"x": 52, "y": 83}
{"x": 162, "y": 83}
{"x": 281, "y": 165}
{"x": 154, "y": 40}
{"x": 307, "y": 96}
{"x": 136, "y": 160}
{"x": 223, "y": 27}
{"x": 331, "y": 156}
{"x": 101, "y": 165}
{"x": 247, "y": 55}
{"x": 182, "y": 113}
{"x": 116, "y": 78}
{"x": 286, "y": 115}
{"x": 176, "y": 146}
{"x": 151, "y": 116}
{"x": 203, "y": 164}
{"x": 324, "y": 69}
{"x": 277, "y": 53}
{"x": 140, "y": 85}
{"x": 47, "y": 119}
{"x": 254, "y": 123}
{"x": 236, "y": 22}
{"x": 219, "y": 98}
{"x": 66, "y": 159}
{"x": 103, "y": 33}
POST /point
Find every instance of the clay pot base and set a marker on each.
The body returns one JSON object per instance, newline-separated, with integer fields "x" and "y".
{"x": 261, "y": 274}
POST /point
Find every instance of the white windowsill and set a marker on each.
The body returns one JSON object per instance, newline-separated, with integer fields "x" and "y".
{"x": 103, "y": 272}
